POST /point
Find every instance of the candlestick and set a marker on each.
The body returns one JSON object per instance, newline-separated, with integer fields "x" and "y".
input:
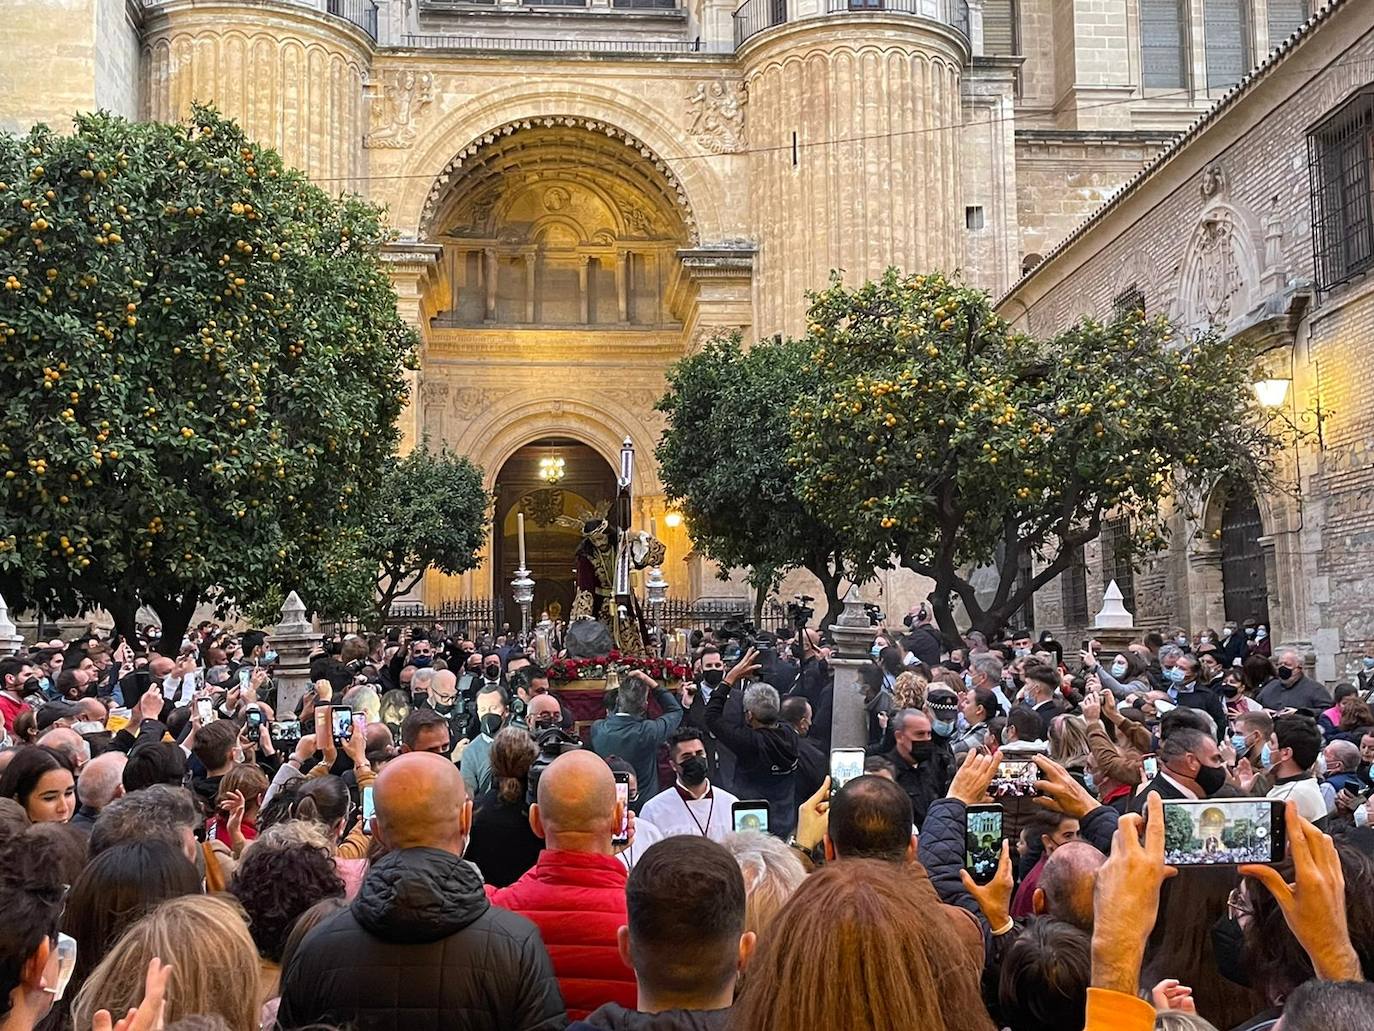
{"x": 520, "y": 529}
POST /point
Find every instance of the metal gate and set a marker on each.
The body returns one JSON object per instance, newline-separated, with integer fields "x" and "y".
{"x": 1245, "y": 586}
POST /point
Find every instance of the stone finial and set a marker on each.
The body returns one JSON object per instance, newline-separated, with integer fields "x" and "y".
{"x": 1113, "y": 614}
{"x": 293, "y": 619}
{"x": 852, "y": 632}
{"x": 853, "y": 613}
{"x": 10, "y": 640}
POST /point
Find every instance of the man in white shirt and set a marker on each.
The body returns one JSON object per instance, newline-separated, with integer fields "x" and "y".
{"x": 692, "y": 805}
{"x": 1295, "y": 745}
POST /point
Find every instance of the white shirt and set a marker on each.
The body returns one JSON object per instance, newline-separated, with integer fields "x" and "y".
{"x": 1307, "y": 793}
{"x": 645, "y": 835}
{"x": 709, "y": 816}
{"x": 1187, "y": 792}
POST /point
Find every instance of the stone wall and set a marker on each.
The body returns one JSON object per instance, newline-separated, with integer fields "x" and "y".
{"x": 1220, "y": 233}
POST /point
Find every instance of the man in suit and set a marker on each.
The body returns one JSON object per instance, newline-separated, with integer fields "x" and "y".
{"x": 1041, "y": 682}
{"x": 1186, "y": 681}
{"x": 1190, "y": 766}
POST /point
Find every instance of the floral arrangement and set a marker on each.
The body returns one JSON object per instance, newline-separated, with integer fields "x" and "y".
{"x": 594, "y": 667}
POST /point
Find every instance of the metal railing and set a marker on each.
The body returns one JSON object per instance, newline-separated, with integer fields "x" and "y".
{"x": 753, "y": 16}
{"x": 645, "y": 5}
{"x": 362, "y": 13}
{"x": 566, "y": 45}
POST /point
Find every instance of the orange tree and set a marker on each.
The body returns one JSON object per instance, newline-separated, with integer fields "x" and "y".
{"x": 724, "y": 460}
{"x": 944, "y": 438}
{"x": 203, "y": 366}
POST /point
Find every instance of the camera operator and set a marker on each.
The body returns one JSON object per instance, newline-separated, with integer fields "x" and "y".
{"x": 813, "y": 682}
{"x": 765, "y": 748}
{"x": 924, "y": 639}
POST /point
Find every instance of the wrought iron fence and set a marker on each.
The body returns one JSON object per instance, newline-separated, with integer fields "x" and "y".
{"x": 568, "y": 45}
{"x": 753, "y": 16}
{"x": 362, "y": 13}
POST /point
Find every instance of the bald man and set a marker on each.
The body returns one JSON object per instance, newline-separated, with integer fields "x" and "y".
{"x": 102, "y": 781}
{"x": 421, "y": 942}
{"x": 575, "y": 892}
{"x": 543, "y": 712}
{"x": 1066, "y": 884}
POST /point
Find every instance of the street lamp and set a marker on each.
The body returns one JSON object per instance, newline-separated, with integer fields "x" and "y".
{"x": 1271, "y": 392}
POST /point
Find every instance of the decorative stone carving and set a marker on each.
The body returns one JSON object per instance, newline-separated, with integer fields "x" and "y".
{"x": 715, "y": 113}
{"x": 556, "y": 198}
{"x": 1275, "y": 269}
{"x": 403, "y": 95}
{"x": 1221, "y": 269}
{"x": 1213, "y": 183}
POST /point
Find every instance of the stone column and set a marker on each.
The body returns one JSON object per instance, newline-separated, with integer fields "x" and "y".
{"x": 10, "y": 641}
{"x": 294, "y": 638}
{"x": 853, "y": 636}
{"x": 582, "y": 292}
{"x": 530, "y": 259}
{"x": 490, "y": 284}
{"x": 1114, "y": 628}
{"x": 622, "y": 285}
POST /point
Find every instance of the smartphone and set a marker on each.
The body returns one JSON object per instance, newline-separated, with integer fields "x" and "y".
{"x": 285, "y": 731}
{"x": 845, "y": 765}
{"x": 245, "y": 675}
{"x": 622, "y": 795}
{"x": 205, "y": 710}
{"x": 369, "y": 809}
{"x": 750, "y": 815}
{"x": 342, "y": 717}
{"x": 254, "y": 719}
{"x": 1223, "y": 831}
{"x": 1015, "y": 778}
{"x": 1150, "y": 765}
{"x": 360, "y": 724}
{"x": 982, "y": 841}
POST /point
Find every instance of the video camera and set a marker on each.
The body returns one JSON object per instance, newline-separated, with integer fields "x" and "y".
{"x": 736, "y": 636}
{"x": 800, "y": 612}
{"x": 876, "y": 616}
{"x": 552, "y": 742}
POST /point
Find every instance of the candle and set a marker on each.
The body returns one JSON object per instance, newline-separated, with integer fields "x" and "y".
{"x": 520, "y": 530}
{"x": 653, "y": 527}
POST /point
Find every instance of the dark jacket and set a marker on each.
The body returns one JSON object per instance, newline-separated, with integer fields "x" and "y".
{"x": 924, "y": 642}
{"x": 720, "y": 760}
{"x": 637, "y": 739}
{"x": 501, "y": 842}
{"x": 925, "y": 781}
{"x": 813, "y": 766}
{"x": 612, "y": 1017}
{"x": 766, "y": 762}
{"x": 1302, "y": 693}
{"x": 1197, "y": 696}
{"x": 421, "y": 948}
{"x": 815, "y": 683}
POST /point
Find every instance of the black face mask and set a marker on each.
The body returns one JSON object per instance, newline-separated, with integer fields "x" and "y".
{"x": 693, "y": 770}
{"x": 1228, "y": 948}
{"x": 493, "y": 672}
{"x": 1211, "y": 779}
{"x": 1286, "y": 672}
{"x": 712, "y": 677}
{"x": 922, "y": 750}
{"x": 491, "y": 723}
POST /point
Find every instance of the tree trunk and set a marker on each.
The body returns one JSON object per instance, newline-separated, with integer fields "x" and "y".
{"x": 760, "y": 595}
{"x": 830, "y": 584}
{"x": 943, "y": 609}
{"x": 175, "y": 615}
{"x": 125, "y": 621}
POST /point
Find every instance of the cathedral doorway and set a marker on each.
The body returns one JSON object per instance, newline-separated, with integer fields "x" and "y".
{"x": 553, "y": 481}
{"x": 1244, "y": 582}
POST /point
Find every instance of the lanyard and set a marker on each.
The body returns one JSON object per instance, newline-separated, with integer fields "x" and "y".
{"x": 709, "y": 813}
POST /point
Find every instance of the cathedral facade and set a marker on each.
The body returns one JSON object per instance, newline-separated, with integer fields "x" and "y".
{"x": 585, "y": 190}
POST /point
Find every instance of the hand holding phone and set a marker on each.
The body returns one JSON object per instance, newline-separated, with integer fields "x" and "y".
{"x": 983, "y": 842}
{"x": 622, "y": 797}
{"x": 341, "y": 716}
{"x": 1223, "y": 831}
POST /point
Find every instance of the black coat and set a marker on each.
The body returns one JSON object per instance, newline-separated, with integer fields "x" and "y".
{"x": 925, "y": 781}
{"x": 422, "y": 949}
{"x": 1203, "y": 697}
{"x": 925, "y": 643}
{"x": 766, "y": 762}
{"x": 501, "y": 842}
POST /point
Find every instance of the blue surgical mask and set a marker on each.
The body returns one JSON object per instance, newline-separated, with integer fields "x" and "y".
{"x": 1264, "y": 755}
{"x": 968, "y": 679}
{"x": 270, "y": 657}
{"x": 1174, "y": 675}
{"x": 1261, "y": 634}
{"x": 1119, "y": 669}
{"x": 1089, "y": 781}
{"x": 1368, "y": 662}
{"x": 942, "y": 727}
{"x": 876, "y": 650}
{"x": 1238, "y": 743}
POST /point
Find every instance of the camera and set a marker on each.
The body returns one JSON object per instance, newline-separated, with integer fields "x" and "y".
{"x": 799, "y": 611}
{"x": 552, "y": 742}
{"x": 736, "y": 635}
{"x": 876, "y": 616}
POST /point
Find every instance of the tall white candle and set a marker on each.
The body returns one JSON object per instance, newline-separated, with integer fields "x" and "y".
{"x": 520, "y": 530}
{"x": 653, "y": 527}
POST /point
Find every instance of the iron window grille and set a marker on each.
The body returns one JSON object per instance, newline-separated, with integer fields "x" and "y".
{"x": 1338, "y": 163}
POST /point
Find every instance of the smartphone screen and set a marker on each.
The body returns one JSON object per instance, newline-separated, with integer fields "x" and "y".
{"x": 285, "y": 731}
{"x": 983, "y": 841}
{"x": 360, "y": 723}
{"x": 622, "y": 795}
{"x": 254, "y": 718}
{"x": 205, "y": 710}
{"x": 845, "y": 765}
{"x": 369, "y": 809}
{"x": 245, "y": 675}
{"x": 1223, "y": 831}
{"x": 342, "y": 717}
{"x": 1150, "y": 765}
{"x": 751, "y": 815}
{"x": 1015, "y": 778}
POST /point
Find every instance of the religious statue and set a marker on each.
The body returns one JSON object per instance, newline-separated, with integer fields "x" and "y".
{"x": 595, "y": 599}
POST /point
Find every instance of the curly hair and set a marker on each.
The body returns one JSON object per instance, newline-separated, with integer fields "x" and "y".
{"x": 275, "y": 885}
{"x": 909, "y": 691}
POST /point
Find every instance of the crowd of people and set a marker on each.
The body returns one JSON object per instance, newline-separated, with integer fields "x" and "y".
{"x": 432, "y": 839}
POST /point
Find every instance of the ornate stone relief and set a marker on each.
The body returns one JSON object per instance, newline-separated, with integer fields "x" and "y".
{"x": 715, "y": 113}
{"x": 1213, "y": 183}
{"x": 1220, "y": 269}
{"x": 403, "y": 95}
{"x": 454, "y": 167}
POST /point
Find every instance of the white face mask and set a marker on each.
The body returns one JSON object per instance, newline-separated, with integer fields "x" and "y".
{"x": 88, "y": 727}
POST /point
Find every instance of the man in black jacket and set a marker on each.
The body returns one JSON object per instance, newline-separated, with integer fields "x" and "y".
{"x": 924, "y": 766}
{"x": 421, "y": 947}
{"x": 924, "y": 641}
{"x": 765, "y": 748}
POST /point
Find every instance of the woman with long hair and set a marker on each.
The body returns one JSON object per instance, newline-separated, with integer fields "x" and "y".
{"x": 214, "y": 972}
{"x": 43, "y": 782}
{"x": 1069, "y": 743}
{"x": 501, "y": 842}
{"x": 860, "y": 949}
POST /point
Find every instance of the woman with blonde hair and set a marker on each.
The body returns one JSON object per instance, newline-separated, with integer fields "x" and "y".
{"x": 772, "y": 872}
{"x": 215, "y": 970}
{"x": 909, "y": 691}
{"x": 1069, "y": 744}
{"x": 860, "y": 949}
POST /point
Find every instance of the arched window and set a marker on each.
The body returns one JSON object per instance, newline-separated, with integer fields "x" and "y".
{"x": 1244, "y": 584}
{"x": 1226, "y": 28}
{"x": 1163, "y": 44}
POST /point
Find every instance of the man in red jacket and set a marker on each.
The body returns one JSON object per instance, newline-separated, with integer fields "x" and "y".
{"x": 575, "y": 893}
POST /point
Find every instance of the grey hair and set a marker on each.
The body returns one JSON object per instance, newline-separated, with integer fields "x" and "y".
{"x": 101, "y": 779}
{"x": 989, "y": 664}
{"x": 771, "y": 870}
{"x": 422, "y": 678}
{"x": 761, "y": 702}
{"x": 1170, "y": 651}
{"x": 159, "y": 812}
{"x": 290, "y": 834}
{"x": 364, "y": 698}
{"x": 902, "y": 715}
{"x": 1346, "y": 751}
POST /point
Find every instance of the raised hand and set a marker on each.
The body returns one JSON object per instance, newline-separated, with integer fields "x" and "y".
{"x": 1126, "y": 900}
{"x": 970, "y": 784}
{"x": 1061, "y": 792}
{"x": 150, "y": 1012}
{"x": 813, "y": 817}
{"x": 1170, "y": 995}
{"x": 747, "y": 666}
{"x": 994, "y": 898}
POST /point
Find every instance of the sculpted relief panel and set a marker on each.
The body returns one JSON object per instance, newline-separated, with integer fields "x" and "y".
{"x": 403, "y": 95}
{"x": 715, "y": 116}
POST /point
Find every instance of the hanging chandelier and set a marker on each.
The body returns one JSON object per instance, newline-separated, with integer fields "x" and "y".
{"x": 551, "y": 468}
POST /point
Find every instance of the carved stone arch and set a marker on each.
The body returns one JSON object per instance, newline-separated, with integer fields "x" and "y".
{"x": 1221, "y": 268}
{"x": 549, "y": 221}
{"x": 1138, "y": 269}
